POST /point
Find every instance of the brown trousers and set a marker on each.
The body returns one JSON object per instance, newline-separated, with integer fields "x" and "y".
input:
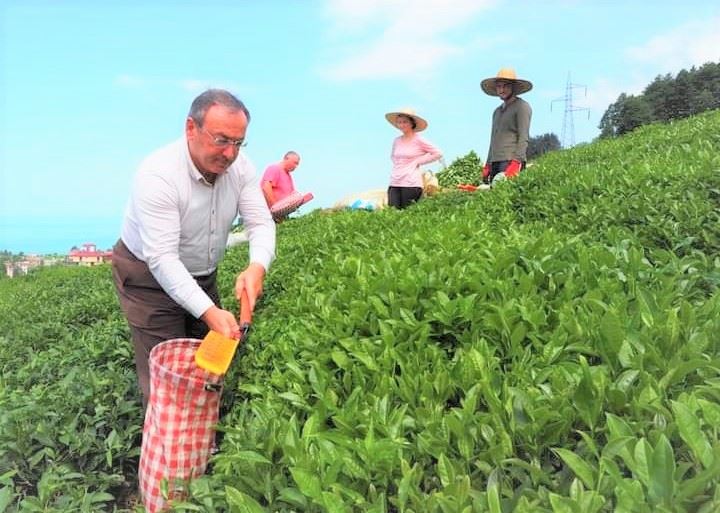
{"x": 152, "y": 315}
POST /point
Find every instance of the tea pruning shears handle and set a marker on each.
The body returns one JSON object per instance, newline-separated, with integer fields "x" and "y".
{"x": 245, "y": 315}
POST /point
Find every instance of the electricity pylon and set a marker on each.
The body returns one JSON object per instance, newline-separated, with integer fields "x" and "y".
{"x": 568, "y": 129}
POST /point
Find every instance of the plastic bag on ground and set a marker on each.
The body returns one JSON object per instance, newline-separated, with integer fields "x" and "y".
{"x": 430, "y": 183}
{"x": 374, "y": 199}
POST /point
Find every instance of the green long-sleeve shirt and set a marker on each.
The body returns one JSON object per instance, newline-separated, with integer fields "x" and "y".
{"x": 510, "y": 131}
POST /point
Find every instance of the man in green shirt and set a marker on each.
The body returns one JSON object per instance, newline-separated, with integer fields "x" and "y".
{"x": 510, "y": 126}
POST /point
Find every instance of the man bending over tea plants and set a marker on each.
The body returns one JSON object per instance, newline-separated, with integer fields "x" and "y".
{"x": 510, "y": 126}
{"x": 184, "y": 199}
{"x": 277, "y": 182}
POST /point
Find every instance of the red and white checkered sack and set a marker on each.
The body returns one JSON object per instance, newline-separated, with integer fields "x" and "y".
{"x": 289, "y": 204}
{"x": 179, "y": 429}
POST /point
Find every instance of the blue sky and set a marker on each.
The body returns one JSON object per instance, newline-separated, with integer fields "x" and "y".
{"x": 88, "y": 88}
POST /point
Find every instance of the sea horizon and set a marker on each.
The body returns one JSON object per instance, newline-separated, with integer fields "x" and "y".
{"x": 57, "y": 236}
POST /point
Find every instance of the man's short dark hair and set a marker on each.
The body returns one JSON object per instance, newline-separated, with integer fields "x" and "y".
{"x": 202, "y": 104}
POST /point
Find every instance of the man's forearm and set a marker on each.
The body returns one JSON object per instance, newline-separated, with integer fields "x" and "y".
{"x": 268, "y": 193}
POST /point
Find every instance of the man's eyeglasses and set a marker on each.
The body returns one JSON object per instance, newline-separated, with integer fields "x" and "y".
{"x": 224, "y": 142}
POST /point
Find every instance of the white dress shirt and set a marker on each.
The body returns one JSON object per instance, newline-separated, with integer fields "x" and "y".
{"x": 178, "y": 223}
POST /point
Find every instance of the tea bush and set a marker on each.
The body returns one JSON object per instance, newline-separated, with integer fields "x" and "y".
{"x": 547, "y": 346}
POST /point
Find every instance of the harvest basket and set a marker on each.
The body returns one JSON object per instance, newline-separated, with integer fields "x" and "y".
{"x": 289, "y": 204}
{"x": 179, "y": 428}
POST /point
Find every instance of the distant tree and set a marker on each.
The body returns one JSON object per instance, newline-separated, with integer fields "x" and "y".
{"x": 657, "y": 95}
{"x": 666, "y": 98}
{"x": 609, "y": 121}
{"x": 625, "y": 115}
{"x": 635, "y": 112}
{"x": 706, "y": 81}
{"x": 705, "y": 101}
{"x": 680, "y": 96}
{"x": 542, "y": 144}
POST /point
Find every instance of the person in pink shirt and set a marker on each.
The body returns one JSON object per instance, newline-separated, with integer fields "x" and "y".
{"x": 409, "y": 152}
{"x": 276, "y": 182}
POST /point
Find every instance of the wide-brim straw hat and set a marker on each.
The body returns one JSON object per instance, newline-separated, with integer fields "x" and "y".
{"x": 420, "y": 123}
{"x": 520, "y": 86}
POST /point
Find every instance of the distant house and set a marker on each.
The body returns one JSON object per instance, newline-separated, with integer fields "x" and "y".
{"x": 19, "y": 267}
{"x": 88, "y": 255}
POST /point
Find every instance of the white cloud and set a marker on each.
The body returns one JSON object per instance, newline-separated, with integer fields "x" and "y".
{"x": 393, "y": 59}
{"x": 604, "y": 92}
{"x": 192, "y": 85}
{"x": 130, "y": 81}
{"x": 413, "y": 35}
{"x": 691, "y": 44}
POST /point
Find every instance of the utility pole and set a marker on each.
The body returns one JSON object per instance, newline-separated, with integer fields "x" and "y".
{"x": 568, "y": 129}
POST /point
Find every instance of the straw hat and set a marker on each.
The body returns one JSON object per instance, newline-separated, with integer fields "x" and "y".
{"x": 420, "y": 123}
{"x": 508, "y": 74}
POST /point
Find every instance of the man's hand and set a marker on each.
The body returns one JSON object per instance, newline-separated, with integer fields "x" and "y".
{"x": 513, "y": 169}
{"x": 221, "y": 321}
{"x": 486, "y": 172}
{"x": 251, "y": 281}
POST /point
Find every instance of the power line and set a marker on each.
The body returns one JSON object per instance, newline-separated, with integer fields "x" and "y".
{"x": 568, "y": 129}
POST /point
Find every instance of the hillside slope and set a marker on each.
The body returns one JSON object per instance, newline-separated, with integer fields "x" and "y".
{"x": 549, "y": 342}
{"x": 550, "y": 345}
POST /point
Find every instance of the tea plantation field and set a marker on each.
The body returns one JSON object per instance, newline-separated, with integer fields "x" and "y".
{"x": 551, "y": 345}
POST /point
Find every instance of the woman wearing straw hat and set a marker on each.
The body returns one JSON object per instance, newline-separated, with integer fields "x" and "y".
{"x": 409, "y": 152}
{"x": 510, "y": 126}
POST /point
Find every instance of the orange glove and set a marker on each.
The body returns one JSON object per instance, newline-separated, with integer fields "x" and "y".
{"x": 513, "y": 169}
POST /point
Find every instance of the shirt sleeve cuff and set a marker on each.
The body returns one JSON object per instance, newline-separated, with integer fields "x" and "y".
{"x": 262, "y": 257}
{"x": 198, "y": 304}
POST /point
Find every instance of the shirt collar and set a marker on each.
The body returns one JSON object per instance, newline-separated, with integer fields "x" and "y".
{"x": 192, "y": 169}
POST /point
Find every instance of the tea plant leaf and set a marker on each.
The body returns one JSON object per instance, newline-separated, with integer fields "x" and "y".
{"x": 518, "y": 334}
{"x": 680, "y": 370}
{"x": 690, "y": 431}
{"x": 241, "y": 502}
{"x": 562, "y": 504}
{"x": 617, "y": 426}
{"x": 580, "y": 467}
{"x": 307, "y": 482}
{"x": 6, "y": 497}
{"x": 630, "y": 496}
{"x": 408, "y": 483}
{"x": 493, "y": 492}
{"x": 616, "y": 446}
{"x": 689, "y": 488}
{"x": 662, "y": 472}
{"x": 587, "y": 397}
{"x": 612, "y": 331}
{"x": 643, "y": 461}
{"x": 646, "y": 303}
{"x": 294, "y": 497}
{"x": 249, "y": 456}
{"x": 446, "y": 472}
{"x": 333, "y": 503}
{"x": 711, "y": 411}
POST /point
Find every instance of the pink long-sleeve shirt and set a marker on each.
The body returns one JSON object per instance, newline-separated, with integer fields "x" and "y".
{"x": 407, "y": 156}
